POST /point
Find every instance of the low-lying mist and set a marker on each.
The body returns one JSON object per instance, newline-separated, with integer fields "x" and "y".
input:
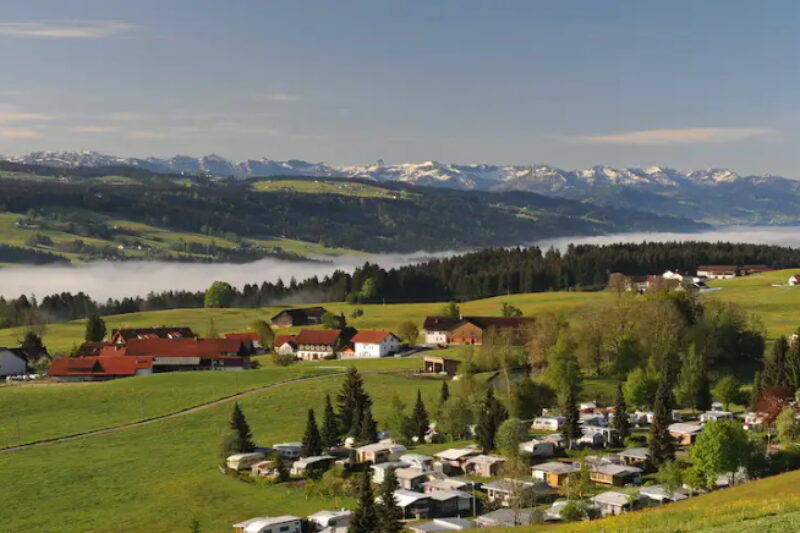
{"x": 103, "y": 280}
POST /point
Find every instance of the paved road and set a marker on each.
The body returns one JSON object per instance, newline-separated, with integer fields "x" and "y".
{"x": 182, "y": 412}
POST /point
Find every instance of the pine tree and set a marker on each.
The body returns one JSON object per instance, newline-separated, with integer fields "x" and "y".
{"x": 621, "y": 424}
{"x": 571, "y": 430}
{"x": 444, "y": 393}
{"x": 692, "y": 374}
{"x": 420, "y": 417}
{"x": 492, "y": 414}
{"x": 95, "y": 328}
{"x": 702, "y": 401}
{"x": 312, "y": 442}
{"x": 329, "y": 432}
{"x": 241, "y": 429}
{"x": 755, "y": 393}
{"x": 351, "y": 399}
{"x": 365, "y": 518}
{"x": 389, "y": 513}
{"x": 662, "y": 449}
{"x": 775, "y": 368}
{"x": 368, "y": 428}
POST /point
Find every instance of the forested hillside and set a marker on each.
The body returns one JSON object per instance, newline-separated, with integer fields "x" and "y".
{"x": 390, "y": 217}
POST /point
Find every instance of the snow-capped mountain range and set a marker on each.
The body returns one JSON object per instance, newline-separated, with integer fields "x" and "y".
{"x": 536, "y": 178}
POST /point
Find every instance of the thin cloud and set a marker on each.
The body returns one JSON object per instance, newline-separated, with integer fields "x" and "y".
{"x": 93, "y": 29}
{"x": 19, "y": 133}
{"x": 25, "y": 116}
{"x": 278, "y": 97}
{"x": 92, "y": 129}
{"x": 678, "y": 136}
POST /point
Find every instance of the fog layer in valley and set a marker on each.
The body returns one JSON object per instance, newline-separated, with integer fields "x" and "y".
{"x": 104, "y": 280}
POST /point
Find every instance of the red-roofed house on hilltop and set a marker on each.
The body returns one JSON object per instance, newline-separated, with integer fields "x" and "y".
{"x": 375, "y": 343}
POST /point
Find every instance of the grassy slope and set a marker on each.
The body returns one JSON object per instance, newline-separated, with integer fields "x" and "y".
{"x": 61, "y": 337}
{"x": 776, "y": 306}
{"x": 157, "y": 477}
{"x": 155, "y": 237}
{"x": 361, "y": 190}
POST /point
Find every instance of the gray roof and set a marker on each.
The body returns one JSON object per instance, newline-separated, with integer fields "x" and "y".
{"x": 443, "y": 524}
{"x": 555, "y": 467}
{"x": 638, "y": 453}
{"x": 611, "y": 497}
{"x": 509, "y": 517}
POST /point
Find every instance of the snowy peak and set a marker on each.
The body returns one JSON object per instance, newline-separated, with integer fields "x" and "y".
{"x": 481, "y": 176}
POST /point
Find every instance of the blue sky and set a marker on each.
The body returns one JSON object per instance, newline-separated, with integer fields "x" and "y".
{"x": 625, "y": 83}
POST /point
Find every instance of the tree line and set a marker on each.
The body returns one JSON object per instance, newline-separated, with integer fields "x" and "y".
{"x": 463, "y": 277}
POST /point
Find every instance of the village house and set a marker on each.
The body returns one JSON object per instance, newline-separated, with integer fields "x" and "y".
{"x": 308, "y": 465}
{"x": 444, "y": 331}
{"x": 658, "y": 494}
{"x": 315, "y": 344}
{"x": 554, "y": 473}
{"x": 413, "y": 504}
{"x": 538, "y": 448}
{"x": 123, "y": 335}
{"x": 484, "y": 465}
{"x": 635, "y": 456}
{"x": 794, "y": 280}
{"x": 755, "y": 421}
{"x": 243, "y": 461}
{"x": 73, "y": 369}
{"x": 717, "y": 271}
{"x": 284, "y": 344}
{"x": 450, "y": 503}
{"x": 266, "y": 524}
{"x": 709, "y": 416}
{"x": 442, "y": 524}
{"x": 685, "y": 433}
{"x": 375, "y": 343}
{"x": 547, "y": 423}
{"x": 251, "y": 337}
{"x": 381, "y": 452}
{"x": 529, "y": 492}
{"x": 507, "y": 518}
{"x": 13, "y": 362}
{"x": 178, "y": 354}
{"x": 417, "y": 460}
{"x": 305, "y": 316}
{"x": 553, "y": 513}
{"x": 288, "y": 450}
{"x": 447, "y": 483}
{"x": 440, "y": 365}
{"x": 615, "y": 503}
{"x": 264, "y": 469}
{"x": 379, "y": 470}
{"x": 616, "y": 475}
{"x": 322, "y": 520}
{"x": 456, "y": 457}
{"x": 411, "y": 478}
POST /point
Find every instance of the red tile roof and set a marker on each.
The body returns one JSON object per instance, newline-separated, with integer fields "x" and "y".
{"x": 371, "y": 336}
{"x": 280, "y": 340}
{"x": 98, "y": 366}
{"x": 203, "y": 348}
{"x": 248, "y": 336}
{"x": 324, "y": 337}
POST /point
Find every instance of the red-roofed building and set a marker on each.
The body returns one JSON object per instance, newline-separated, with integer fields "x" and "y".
{"x": 99, "y": 368}
{"x": 314, "y": 344}
{"x": 375, "y": 343}
{"x": 285, "y": 345}
{"x": 123, "y": 335}
{"x": 251, "y": 338}
{"x": 185, "y": 354}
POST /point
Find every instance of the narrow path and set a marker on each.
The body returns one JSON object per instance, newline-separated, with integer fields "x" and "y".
{"x": 175, "y": 414}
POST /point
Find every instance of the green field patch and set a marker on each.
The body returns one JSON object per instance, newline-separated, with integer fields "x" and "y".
{"x": 340, "y": 187}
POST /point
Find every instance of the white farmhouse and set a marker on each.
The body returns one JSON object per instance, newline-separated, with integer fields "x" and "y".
{"x": 375, "y": 343}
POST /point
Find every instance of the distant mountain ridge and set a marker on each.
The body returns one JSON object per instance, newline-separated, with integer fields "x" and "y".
{"x": 536, "y": 178}
{"x": 714, "y": 195}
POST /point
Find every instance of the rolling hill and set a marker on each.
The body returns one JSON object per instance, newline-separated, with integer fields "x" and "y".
{"x": 132, "y": 213}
